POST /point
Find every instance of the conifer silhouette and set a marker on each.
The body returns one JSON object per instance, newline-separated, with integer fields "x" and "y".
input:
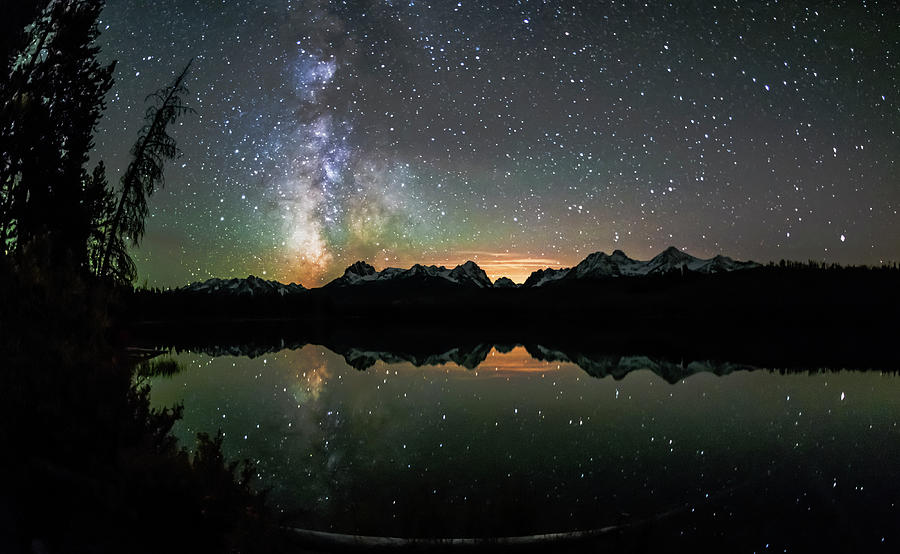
{"x": 143, "y": 176}
{"x": 50, "y": 104}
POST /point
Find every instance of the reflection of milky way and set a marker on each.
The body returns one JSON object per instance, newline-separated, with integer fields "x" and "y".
{"x": 310, "y": 383}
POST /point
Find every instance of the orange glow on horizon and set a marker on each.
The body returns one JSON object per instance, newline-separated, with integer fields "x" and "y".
{"x": 517, "y": 360}
{"x": 515, "y": 266}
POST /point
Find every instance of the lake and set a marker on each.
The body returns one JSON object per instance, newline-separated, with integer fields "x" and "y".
{"x": 690, "y": 452}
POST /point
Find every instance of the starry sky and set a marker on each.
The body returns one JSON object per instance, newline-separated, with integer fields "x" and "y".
{"x": 517, "y": 134}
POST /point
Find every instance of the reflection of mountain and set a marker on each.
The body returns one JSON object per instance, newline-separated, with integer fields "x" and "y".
{"x": 596, "y": 365}
{"x": 618, "y": 366}
{"x": 468, "y": 358}
{"x": 600, "y": 364}
{"x": 833, "y": 316}
{"x": 250, "y": 350}
{"x": 753, "y": 317}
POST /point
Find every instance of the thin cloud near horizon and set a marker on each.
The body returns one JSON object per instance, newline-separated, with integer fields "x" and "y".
{"x": 501, "y": 264}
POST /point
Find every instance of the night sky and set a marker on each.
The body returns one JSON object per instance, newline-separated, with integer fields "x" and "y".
{"x": 517, "y": 134}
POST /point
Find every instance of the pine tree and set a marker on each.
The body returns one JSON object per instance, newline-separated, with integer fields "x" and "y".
{"x": 16, "y": 17}
{"x": 49, "y": 109}
{"x": 142, "y": 177}
{"x": 99, "y": 204}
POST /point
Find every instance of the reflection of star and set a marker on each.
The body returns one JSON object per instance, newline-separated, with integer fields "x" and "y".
{"x": 310, "y": 384}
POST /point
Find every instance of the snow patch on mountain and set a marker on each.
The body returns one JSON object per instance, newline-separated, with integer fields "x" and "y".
{"x": 251, "y": 286}
{"x": 468, "y": 358}
{"x": 467, "y": 274}
{"x": 600, "y": 265}
{"x": 543, "y": 276}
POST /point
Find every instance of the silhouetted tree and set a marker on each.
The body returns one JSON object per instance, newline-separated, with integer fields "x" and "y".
{"x": 143, "y": 176}
{"x": 16, "y": 17}
{"x": 49, "y": 107}
{"x": 99, "y": 203}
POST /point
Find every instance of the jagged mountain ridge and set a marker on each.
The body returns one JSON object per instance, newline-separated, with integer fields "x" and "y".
{"x": 251, "y": 286}
{"x": 619, "y": 366}
{"x": 467, "y": 275}
{"x": 600, "y": 265}
{"x": 471, "y": 356}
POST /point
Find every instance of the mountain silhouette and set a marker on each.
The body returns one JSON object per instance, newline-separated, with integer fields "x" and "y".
{"x": 596, "y": 266}
{"x": 600, "y": 265}
{"x": 464, "y": 275}
{"x": 251, "y": 286}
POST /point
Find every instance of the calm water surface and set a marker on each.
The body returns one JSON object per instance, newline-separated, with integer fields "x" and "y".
{"x": 521, "y": 446}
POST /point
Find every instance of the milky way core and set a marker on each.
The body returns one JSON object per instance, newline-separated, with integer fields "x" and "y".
{"x": 517, "y": 134}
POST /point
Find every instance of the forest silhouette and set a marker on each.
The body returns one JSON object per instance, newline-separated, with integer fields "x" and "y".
{"x": 90, "y": 466}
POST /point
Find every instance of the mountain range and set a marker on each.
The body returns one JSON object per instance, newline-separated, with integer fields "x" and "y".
{"x": 251, "y": 286}
{"x": 600, "y": 265}
{"x": 471, "y": 356}
{"x": 466, "y": 275}
{"x": 596, "y": 266}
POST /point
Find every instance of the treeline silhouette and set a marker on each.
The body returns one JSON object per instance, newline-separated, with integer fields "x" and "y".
{"x": 601, "y": 360}
{"x": 792, "y": 314}
{"x": 819, "y": 295}
{"x": 89, "y": 465}
{"x": 53, "y": 209}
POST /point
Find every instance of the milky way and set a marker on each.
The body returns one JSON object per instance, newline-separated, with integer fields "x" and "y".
{"x": 517, "y": 134}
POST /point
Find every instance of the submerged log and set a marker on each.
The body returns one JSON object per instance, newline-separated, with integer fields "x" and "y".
{"x": 342, "y": 542}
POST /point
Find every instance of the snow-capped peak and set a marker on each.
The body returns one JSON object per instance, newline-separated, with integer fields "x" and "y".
{"x": 600, "y": 265}
{"x": 251, "y": 286}
{"x": 360, "y": 268}
{"x": 543, "y": 276}
{"x": 467, "y": 274}
{"x": 359, "y": 271}
{"x": 672, "y": 259}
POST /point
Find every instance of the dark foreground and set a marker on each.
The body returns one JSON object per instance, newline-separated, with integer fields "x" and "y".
{"x": 783, "y": 320}
{"x": 771, "y": 316}
{"x": 92, "y": 466}
{"x": 495, "y": 449}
